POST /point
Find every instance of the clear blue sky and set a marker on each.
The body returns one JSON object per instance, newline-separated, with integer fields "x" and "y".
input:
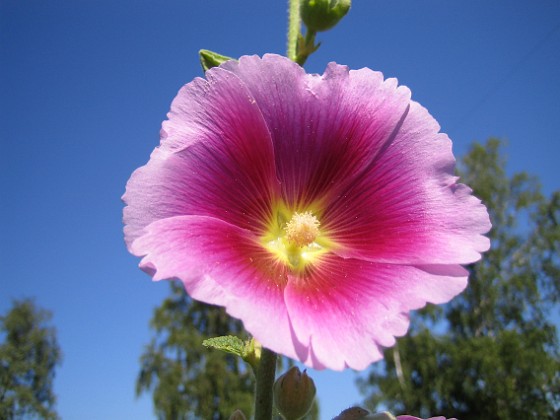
{"x": 85, "y": 84}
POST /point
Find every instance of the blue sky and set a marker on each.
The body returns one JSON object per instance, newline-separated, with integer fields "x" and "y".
{"x": 84, "y": 86}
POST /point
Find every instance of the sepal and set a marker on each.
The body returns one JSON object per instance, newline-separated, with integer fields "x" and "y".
{"x": 209, "y": 59}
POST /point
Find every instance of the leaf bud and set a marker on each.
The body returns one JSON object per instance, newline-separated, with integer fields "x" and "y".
{"x": 294, "y": 393}
{"x": 321, "y": 15}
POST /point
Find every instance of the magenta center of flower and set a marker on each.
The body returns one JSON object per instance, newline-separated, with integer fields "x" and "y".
{"x": 302, "y": 229}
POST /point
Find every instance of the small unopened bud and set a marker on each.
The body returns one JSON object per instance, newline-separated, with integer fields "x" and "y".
{"x": 294, "y": 393}
{"x": 321, "y": 15}
{"x": 359, "y": 413}
{"x": 385, "y": 415}
{"x": 352, "y": 413}
{"x": 237, "y": 415}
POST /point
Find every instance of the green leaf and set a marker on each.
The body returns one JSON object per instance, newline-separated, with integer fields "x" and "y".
{"x": 227, "y": 343}
{"x": 209, "y": 59}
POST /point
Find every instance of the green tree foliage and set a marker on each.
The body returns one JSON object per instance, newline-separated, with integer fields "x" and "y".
{"x": 186, "y": 379}
{"x": 495, "y": 355}
{"x": 29, "y": 354}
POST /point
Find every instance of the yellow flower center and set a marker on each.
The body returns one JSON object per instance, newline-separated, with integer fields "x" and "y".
{"x": 302, "y": 229}
{"x": 294, "y": 238}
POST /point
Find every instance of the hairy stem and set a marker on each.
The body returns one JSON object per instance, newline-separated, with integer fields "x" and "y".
{"x": 265, "y": 382}
{"x": 294, "y": 24}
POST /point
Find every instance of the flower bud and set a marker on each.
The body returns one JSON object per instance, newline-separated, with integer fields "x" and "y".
{"x": 352, "y": 413}
{"x": 237, "y": 415}
{"x": 321, "y": 15}
{"x": 294, "y": 393}
{"x": 358, "y": 413}
{"x": 385, "y": 415}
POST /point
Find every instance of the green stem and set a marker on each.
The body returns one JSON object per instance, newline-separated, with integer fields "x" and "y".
{"x": 308, "y": 47}
{"x": 265, "y": 382}
{"x": 294, "y": 24}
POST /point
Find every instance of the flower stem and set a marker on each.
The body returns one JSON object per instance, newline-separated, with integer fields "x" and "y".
{"x": 265, "y": 382}
{"x": 306, "y": 48}
{"x": 294, "y": 24}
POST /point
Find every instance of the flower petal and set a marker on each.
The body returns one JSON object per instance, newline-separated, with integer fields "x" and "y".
{"x": 259, "y": 139}
{"x": 344, "y": 310}
{"x": 216, "y": 159}
{"x": 223, "y": 265}
{"x": 325, "y": 129}
{"x": 407, "y": 207}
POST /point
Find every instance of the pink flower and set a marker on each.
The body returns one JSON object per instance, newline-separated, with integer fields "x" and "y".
{"x": 318, "y": 209}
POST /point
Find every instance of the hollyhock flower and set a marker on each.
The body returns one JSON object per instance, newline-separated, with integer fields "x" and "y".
{"x": 318, "y": 209}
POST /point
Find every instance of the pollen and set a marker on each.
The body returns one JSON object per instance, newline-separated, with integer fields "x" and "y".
{"x": 302, "y": 229}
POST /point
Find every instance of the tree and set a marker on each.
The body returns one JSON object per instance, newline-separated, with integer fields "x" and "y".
{"x": 188, "y": 380}
{"x": 492, "y": 352}
{"x": 29, "y": 354}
